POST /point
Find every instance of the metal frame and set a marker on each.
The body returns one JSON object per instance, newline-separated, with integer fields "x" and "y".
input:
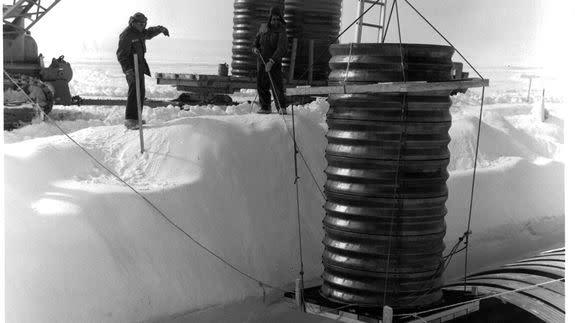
{"x": 360, "y": 23}
{"x": 442, "y": 316}
{"x": 22, "y": 11}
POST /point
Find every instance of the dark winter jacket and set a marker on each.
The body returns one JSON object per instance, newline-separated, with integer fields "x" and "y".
{"x": 272, "y": 44}
{"x": 128, "y": 45}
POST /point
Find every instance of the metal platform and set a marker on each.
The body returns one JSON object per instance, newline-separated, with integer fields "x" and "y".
{"x": 318, "y": 305}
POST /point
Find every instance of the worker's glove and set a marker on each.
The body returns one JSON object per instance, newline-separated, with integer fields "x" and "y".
{"x": 263, "y": 28}
{"x": 165, "y": 31}
{"x": 269, "y": 65}
{"x": 130, "y": 76}
{"x": 256, "y": 51}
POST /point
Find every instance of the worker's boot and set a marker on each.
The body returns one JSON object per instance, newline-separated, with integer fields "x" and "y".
{"x": 264, "y": 111}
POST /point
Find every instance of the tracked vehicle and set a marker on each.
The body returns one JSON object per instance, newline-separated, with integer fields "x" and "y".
{"x": 25, "y": 76}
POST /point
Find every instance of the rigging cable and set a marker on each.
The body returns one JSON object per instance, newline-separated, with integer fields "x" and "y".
{"x": 440, "y": 34}
{"x": 279, "y": 108}
{"x": 398, "y": 161}
{"x": 468, "y": 232}
{"x": 303, "y": 75}
{"x": 388, "y": 21}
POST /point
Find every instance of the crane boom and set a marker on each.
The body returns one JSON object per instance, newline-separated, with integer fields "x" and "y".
{"x": 26, "y": 13}
{"x": 25, "y": 75}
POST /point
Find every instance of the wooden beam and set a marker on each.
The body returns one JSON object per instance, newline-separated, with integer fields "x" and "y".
{"x": 388, "y": 87}
{"x": 310, "y": 60}
{"x": 292, "y": 59}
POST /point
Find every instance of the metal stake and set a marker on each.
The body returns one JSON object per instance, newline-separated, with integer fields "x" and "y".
{"x": 298, "y": 293}
{"x": 138, "y": 100}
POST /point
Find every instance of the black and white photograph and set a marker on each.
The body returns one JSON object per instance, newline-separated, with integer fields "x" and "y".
{"x": 315, "y": 161}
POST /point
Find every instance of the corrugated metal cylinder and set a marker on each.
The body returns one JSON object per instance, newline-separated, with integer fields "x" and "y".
{"x": 248, "y": 17}
{"x": 386, "y": 185}
{"x": 311, "y": 19}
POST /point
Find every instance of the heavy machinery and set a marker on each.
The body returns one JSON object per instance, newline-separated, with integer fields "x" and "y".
{"x": 25, "y": 75}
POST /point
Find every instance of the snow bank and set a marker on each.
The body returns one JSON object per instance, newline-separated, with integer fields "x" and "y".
{"x": 81, "y": 246}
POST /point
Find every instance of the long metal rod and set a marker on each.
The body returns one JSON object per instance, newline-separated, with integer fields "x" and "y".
{"x": 292, "y": 60}
{"x": 382, "y": 13}
{"x": 359, "y": 26}
{"x": 468, "y": 232}
{"x": 138, "y": 100}
{"x": 310, "y": 61}
{"x": 295, "y": 152}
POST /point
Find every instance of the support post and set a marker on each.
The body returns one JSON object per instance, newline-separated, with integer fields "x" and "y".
{"x": 387, "y": 315}
{"x": 139, "y": 102}
{"x": 543, "y": 111}
{"x": 474, "y": 291}
{"x": 298, "y": 293}
{"x": 292, "y": 60}
{"x": 529, "y": 90}
{"x": 359, "y": 24}
{"x": 310, "y": 61}
{"x": 382, "y": 13}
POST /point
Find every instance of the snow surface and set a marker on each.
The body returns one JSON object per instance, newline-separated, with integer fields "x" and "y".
{"x": 82, "y": 247}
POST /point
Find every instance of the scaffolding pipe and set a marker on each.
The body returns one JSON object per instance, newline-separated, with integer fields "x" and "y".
{"x": 359, "y": 26}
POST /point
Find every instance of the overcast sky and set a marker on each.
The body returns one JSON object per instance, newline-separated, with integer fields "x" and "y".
{"x": 516, "y": 32}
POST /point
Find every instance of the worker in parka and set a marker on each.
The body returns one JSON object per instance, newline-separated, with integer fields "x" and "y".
{"x": 270, "y": 45}
{"x": 133, "y": 41}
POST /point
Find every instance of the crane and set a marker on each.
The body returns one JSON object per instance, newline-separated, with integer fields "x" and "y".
{"x": 25, "y": 75}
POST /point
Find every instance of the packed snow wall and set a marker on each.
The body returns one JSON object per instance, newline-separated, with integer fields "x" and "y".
{"x": 386, "y": 189}
{"x": 317, "y": 20}
{"x": 248, "y": 17}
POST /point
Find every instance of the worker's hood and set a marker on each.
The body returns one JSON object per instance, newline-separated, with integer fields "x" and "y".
{"x": 137, "y": 17}
{"x": 276, "y": 11}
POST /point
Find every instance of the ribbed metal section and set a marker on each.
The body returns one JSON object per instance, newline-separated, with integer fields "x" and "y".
{"x": 545, "y": 301}
{"x": 374, "y": 63}
{"x": 312, "y": 19}
{"x": 248, "y": 16}
{"x": 386, "y": 188}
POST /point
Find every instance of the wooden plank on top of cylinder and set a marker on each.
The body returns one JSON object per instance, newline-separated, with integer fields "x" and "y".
{"x": 388, "y": 87}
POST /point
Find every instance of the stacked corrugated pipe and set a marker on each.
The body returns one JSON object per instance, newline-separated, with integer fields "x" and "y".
{"x": 317, "y": 20}
{"x": 248, "y": 17}
{"x": 386, "y": 188}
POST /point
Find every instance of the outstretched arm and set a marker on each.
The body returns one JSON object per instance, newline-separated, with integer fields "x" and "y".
{"x": 155, "y": 31}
